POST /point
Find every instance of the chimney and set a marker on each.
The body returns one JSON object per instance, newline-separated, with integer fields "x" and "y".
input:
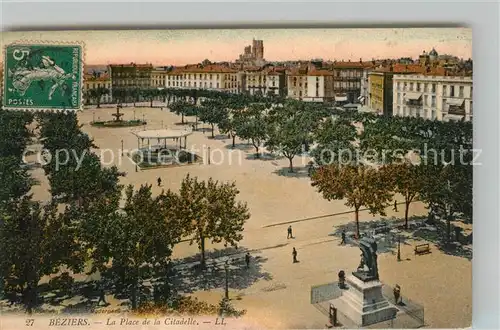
{"x": 360, "y": 60}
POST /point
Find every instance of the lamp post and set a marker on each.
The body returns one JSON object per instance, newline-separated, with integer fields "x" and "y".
{"x": 226, "y": 270}
{"x": 134, "y": 113}
{"x": 399, "y": 248}
{"x": 93, "y": 116}
{"x": 122, "y": 147}
{"x": 208, "y": 155}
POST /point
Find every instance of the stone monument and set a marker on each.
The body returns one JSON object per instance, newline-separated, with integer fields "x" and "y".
{"x": 362, "y": 300}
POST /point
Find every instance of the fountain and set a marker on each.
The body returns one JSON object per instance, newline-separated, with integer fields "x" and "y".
{"x": 118, "y": 121}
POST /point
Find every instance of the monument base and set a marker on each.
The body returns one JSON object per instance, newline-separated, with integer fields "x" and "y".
{"x": 363, "y": 302}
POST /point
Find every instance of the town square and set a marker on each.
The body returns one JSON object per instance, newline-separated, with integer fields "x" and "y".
{"x": 245, "y": 188}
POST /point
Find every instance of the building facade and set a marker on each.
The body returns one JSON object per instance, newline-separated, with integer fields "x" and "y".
{"x": 210, "y": 77}
{"x": 433, "y": 97}
{"x": 380, "y": 92}
{"x": 310, "y": 85}
{"x": 347, "y": 79}
{"x": 95, "y": 81}
{"x": 159, "y": 77}
{"x": 128, "y": 77}
{"x": 267, "y": 81}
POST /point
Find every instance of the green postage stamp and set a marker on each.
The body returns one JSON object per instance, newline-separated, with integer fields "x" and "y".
{"x": 43, "y": 76}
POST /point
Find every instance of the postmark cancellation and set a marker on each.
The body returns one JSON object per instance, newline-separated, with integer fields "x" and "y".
{"x": 43, "y": 76}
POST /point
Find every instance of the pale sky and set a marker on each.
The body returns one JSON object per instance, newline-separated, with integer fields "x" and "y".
{"x": 179, "y": 47}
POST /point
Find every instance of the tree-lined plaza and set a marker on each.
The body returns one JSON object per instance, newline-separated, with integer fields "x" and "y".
{"x": 117, "y": 223}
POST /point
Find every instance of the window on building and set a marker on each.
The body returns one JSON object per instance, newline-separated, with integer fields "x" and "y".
{"x": 195, "y": 84}
{"x": 399, "y": 98}
{"x": 433, "y": 88}
{"x": 426, "y": 100}
{"x": 471, "y": 92}
{"x": 205, "y": 84}
{"x": 317, "y": 93}
{"x": 433, "y": 114}
{"x": 217, "y": 85}
{"x": 217, "y": 76}
{"x": 300, "y": 93}
{"x": 210, "y": 84}
{"x": 461, "y": 91}
{"x": 445, "y": 90}
{"x": 419, "y": 86}
{"x": 405, "y": 86}
{"x": 411, "y": 87}
{"x": 452, "y": 91}
{"x": 433, "y": 101}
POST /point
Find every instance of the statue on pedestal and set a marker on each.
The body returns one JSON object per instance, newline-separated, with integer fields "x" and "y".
{"x": 368, "y": 248}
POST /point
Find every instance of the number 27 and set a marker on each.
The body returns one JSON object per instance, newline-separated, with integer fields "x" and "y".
{"x": 29, "y": 322}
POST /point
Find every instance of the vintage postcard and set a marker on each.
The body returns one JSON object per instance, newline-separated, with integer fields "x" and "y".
{"x": 238, "y": 179}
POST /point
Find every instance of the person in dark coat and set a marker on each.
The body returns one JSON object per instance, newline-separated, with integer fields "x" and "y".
{"x": 247, "y": 259}
{"x": 289, "y": 232}
{"x": 294, "y": 254}
{"x": 395, "y": 208}
{"x": 343, "y": 237}
{"x": 159, "y": 181}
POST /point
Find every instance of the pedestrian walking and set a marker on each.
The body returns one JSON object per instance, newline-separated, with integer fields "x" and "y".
{"x": 343, "y": 237}
{"x": 289, "y": 232}
{"x": 159, "y": 181}
{"x": 294, "y": 254}
{"x": 247, "y": 259}
{"x": 395, "y": 208}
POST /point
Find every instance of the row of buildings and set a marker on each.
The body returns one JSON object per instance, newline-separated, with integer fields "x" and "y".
{"x": 432, "y": 87}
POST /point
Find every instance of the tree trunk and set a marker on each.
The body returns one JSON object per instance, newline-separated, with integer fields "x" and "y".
{"x": 291, "y": 164}
{"x": 98, "y": 102}
{"x": 151, "y": 105}
{"x": 212, "y": 130}
{"x": 407, "y": 208}
{"x": 448, "y": 229}
{"x": 256, "y": 150}
{"x": 202, "y": 250}
{"x": 356, "y": 219}
{"x": 182, "y": 118}
{"x": 234, "y": 137}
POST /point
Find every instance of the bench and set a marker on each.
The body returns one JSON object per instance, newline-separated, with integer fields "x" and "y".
{"x": 422, "y": 249}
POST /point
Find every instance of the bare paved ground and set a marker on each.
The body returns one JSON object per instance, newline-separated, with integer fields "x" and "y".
{"x": 442, "y": 283}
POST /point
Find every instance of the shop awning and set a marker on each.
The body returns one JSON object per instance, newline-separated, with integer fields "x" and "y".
{"x": 455, "y": 102}
{"x": 413, "y": 96}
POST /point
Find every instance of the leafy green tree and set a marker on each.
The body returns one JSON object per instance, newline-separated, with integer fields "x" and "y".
{"x": 14, "y": 133}
{"x": 35, "y": 240}
{"x": 251, "y": 125}
{"x": 360, "y": 186}
{"x": 407, "y": 180}
{"x": 182, "y": 108}
{"x": 78, "y": 174}
{"x": 335, "y": 138}
{"x": 97, "y": 94}
{"x": 213, "y": 112}
{"x": 285, "y": 133}
{"x": 142, "y": 238}
{"x": 209, "y": 210}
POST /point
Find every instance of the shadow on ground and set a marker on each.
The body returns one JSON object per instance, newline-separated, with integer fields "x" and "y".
{"x": 190, "y": 277}
{"x": 264, "y": 156}
{"x": 239, "y": 146}
{"x": 387, "y": 231}
{"x": 298, "y": 172}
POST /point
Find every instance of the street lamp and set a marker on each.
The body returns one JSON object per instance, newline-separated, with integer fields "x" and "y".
{"x": 226, "y": 270}
{"x": 122, "y": 147}
{"x": 93, "y": 116}
{"x": 399, "y": 248}
{"x": 208, "y": 155}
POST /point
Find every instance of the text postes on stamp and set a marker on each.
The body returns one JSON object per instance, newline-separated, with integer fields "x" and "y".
{"x": 43, "y": 76}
